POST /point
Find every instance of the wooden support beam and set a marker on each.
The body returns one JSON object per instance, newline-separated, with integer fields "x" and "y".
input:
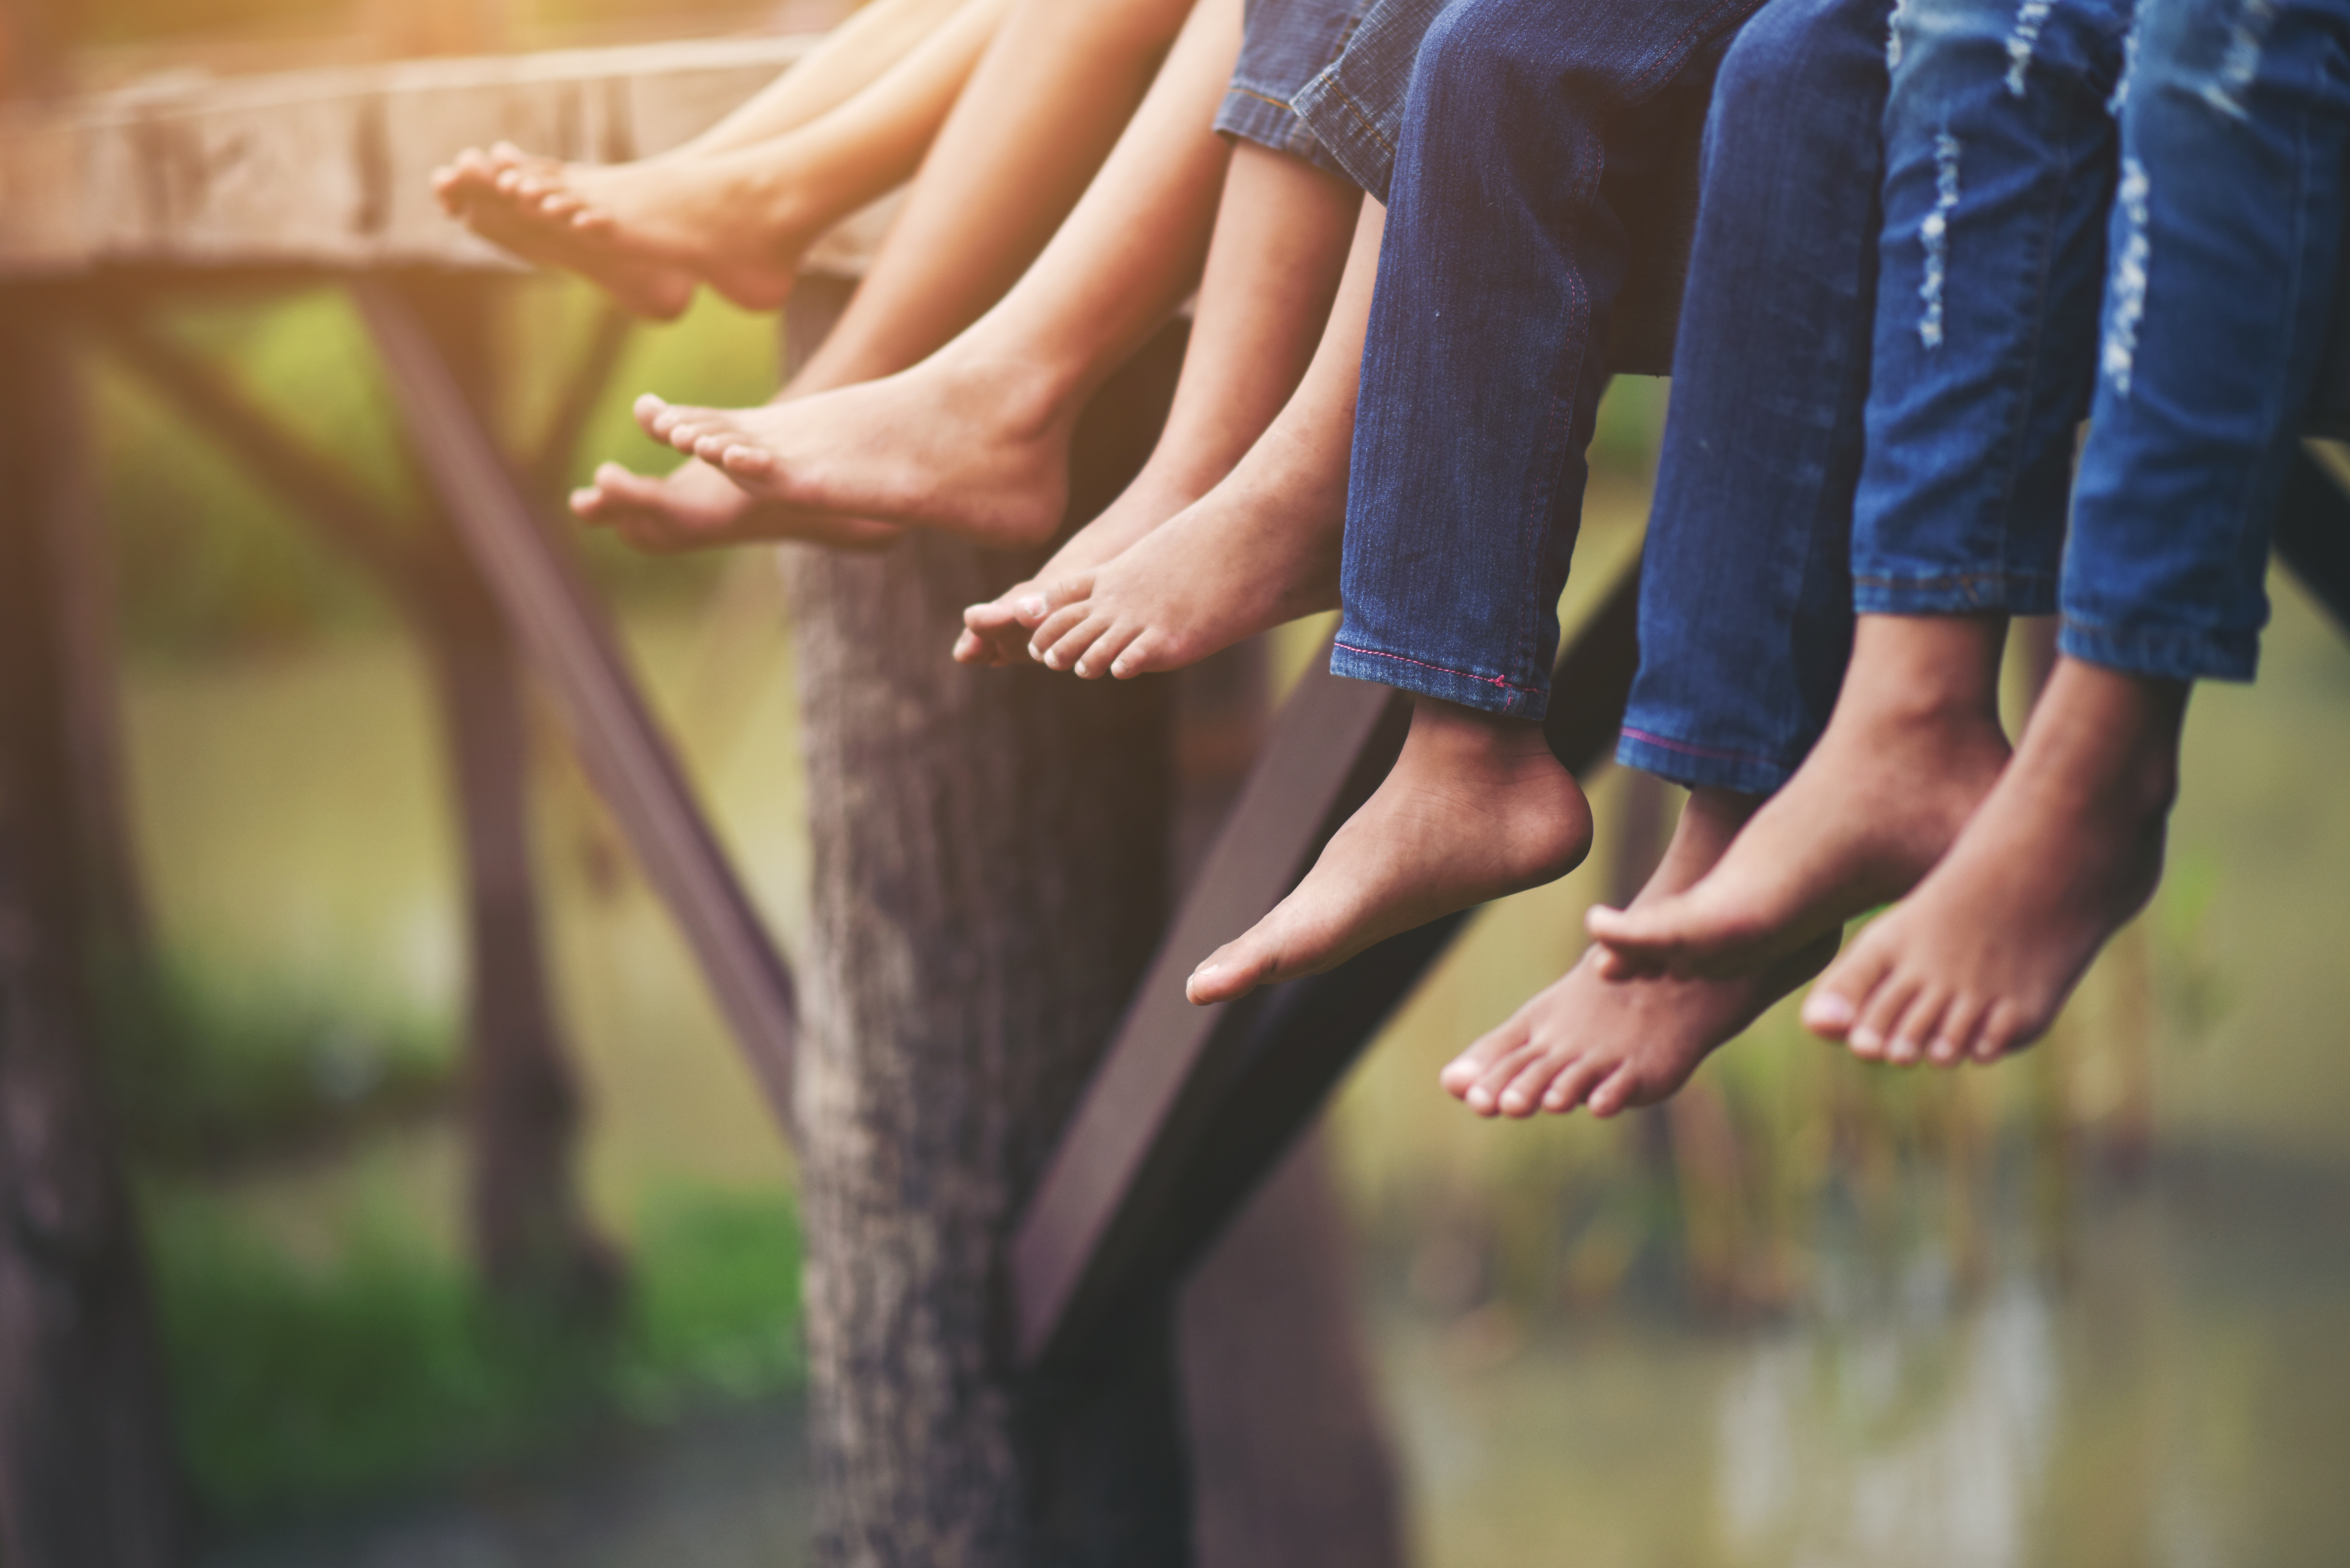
{"x": 1191, "y": 1106}
{"x": 573, "y": 649}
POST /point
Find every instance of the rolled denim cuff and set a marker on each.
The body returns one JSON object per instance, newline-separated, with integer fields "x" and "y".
{"x": 1487, "y": 693}
{"x": 2162, "y": 653}
{"x": 1354, "y": 107}
{"x": 1252, "y": 116}
{"x": 1952, "y": 593}
{"x": 1695, "y": 766}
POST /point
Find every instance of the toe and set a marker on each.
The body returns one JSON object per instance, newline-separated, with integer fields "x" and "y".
{"x": 1914, "y": 1033}
{"x": 1073, "y": 643}
{"x": 1048, "y": 630}
{"x": 1465, "y": 1069}
{"x": 1103, "y": 656}
{"x": 1233, "y": 969}
{"x": 745, "y": 459}
{"x": 1523, "y": 1095}
{"x": 1151, "y": 650}
{"x": 1872, "y": 1031}
{"x": 1836, "y": 999}
{"x": 1485, "y": 1096}
{"x": 1955, "y": 1037}
{"x": 1575, "y": 1081}
{"x": 1620, "y": 1090}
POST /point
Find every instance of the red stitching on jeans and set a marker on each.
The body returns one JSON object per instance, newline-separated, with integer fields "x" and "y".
{"x": 1439, "y": 668}
{"x": 1692, "y": 750}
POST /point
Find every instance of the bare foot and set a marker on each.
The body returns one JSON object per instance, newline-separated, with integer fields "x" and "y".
{"x": 1913, "y": 747}
{"x": 2066, "y": 847}
{"x": 993, "y": 634}
{"x": 1475, "y": 807}
{"x": 695, "y": 507}
{"x": 487, "y": 191}
{"x": 1260, "y": 549}
{"x": 1615, "y": 1044}
{"x": 731, "y": 219}
{"x": 979, "y": 449}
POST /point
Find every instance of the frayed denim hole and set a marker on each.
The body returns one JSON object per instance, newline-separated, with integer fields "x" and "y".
{"x": 2126, "y": 289}
{"x": 1934, "y": 234}
{"x": 2030, "y": 18}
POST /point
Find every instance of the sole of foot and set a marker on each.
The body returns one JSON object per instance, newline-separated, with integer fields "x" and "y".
{"x": 1245, "y": 558}
{"x": 1475, "y": 808}
{"x": 695, "y": 507}
{"x": 924, "y": 447}
{"x": 1979, "y": 961}
{"x": 1612, "y": 1044}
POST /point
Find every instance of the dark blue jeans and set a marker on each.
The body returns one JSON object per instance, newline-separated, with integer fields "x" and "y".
{"x": 1531, "y": 128}
{"x": 1746, "y": 592}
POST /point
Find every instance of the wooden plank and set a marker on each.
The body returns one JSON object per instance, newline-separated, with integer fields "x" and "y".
{"x": 332, "y": 168}
{"x": 574, "y": 650}
{"x": 1194, "y": 1105}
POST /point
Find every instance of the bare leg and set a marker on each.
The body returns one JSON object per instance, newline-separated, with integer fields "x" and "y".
{"x": 850, "y": 57}
{"x": 975, "y": 440}
{"x": 1911, "y": 750}
{"x": 736, "y": 217}
{"x": 1259, "y": 549}
{"x": 1475, "y": 807}
{"x": 2067, "y": 846}
{"x": 998, "y": 181}
{"x": 1611, "y": 1044}
{"x": 1280, "y": 245}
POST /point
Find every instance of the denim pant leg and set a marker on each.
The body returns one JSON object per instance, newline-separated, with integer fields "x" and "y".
{"x": 1745, "y": 590}
{"x": 1355, "y": 105}
{"x": 1530, "y": 125}
{"x": 1998, "y": 166}
{"x": 2226, "y": 240}
{"x": 1285, "y": 43}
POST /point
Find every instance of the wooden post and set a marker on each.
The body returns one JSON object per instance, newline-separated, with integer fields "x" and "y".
{"x": 989, "y": 879}
{"x": 88, "y": 1477}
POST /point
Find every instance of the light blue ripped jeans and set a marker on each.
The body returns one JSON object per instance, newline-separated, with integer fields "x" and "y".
{"x": 2151, "y": 215}
{"x": 2226, "y": 250}
{"x": 1998, "y": 166}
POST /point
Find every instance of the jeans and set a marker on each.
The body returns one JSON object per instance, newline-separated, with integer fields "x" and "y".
{"x": 1531, "y": 126}
{"x": 1745, "y": 592}
{"x": 2226, "y": 241}
{"x": 1285, "y": 43}
{"x": 1998, "y": 164}
{"x": 1355, "y": 105}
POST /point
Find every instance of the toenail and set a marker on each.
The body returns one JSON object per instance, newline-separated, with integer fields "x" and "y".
{"x": 1867, "y": 1040}
{"x": 1033, "y": 604}
{"x": 1829, "y": 1009}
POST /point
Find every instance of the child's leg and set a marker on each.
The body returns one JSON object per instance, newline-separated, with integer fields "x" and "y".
{"x": 1745, "y": 594}
{"x": 1501, "y": 256}
{"x": 1259, "y": 549}
{"x": 975, "y": 440}
{"x": 737, "y": 217}
{"x": 997, "y": 183}
{"x": 850, "y": 57}
{"x": 1998, "y": 157}
{"x": 2226, "y": 245}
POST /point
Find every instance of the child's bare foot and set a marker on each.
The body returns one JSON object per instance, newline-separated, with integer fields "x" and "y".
{"x": 1615, "y": 1044}
{"x": 1913, "y": 747}
{"x": 993, "y": 634}
{"x": 2066, "y": 847}
{"x": 1475, "y": 807}
{"x": 1259, "y": 549}
{"x": 484, "y": 191}
{"x": 976, "y": 449}
{"x": 695, "y": 507}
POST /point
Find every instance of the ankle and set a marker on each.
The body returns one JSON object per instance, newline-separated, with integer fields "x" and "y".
{"x": 1936, "y": 671}
{"x": 2108, "y": 737}
{"x": 1452, "y": 737}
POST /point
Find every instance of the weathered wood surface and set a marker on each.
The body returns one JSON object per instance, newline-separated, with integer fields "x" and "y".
{"x": 1191, "y": 1106}
{"x": 332, "y": 168}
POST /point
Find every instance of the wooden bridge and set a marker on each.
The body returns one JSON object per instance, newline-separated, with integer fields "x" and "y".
{"x": 110, "y": 203}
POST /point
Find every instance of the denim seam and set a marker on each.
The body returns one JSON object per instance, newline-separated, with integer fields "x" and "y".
{"x": 1353, "y": 107}
{"x": 1439, "y": 668}
{"x": 1712, "y": 754}
{"x": 1261, "y": 97}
